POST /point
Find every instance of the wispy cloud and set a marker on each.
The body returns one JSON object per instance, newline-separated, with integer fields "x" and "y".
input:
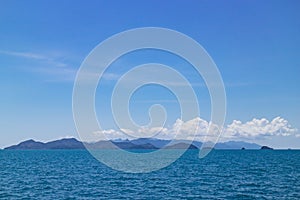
{"x": 52, "y": 66}
{"x": 35, "y": 56}
{"x": 24, "y": 55}
{"x": 59, "y": 70}
{"x": 55, "y": 74}
{"x": 201, "y": 84}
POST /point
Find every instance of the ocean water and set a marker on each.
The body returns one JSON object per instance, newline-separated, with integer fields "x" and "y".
{"x": 223, "y": 174}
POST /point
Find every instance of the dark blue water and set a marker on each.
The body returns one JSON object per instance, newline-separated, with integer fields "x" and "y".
{"x": 223, "y": 174}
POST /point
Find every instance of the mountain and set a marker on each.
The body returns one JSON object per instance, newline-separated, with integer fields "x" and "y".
{"x": 236, "y": 145}
{"x": 130, "y": 145}
{"x": 153, "y": 141}
{"x": 71, "y": 143}
{"x": 181, "y": 146}
{"x": 28, "y": 144}
{"x": 266, "y": 148}
{"x": 141, "y": 143}
{"x": 100, "y": 145}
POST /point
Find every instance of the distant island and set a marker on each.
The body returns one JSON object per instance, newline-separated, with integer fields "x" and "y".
{"x": 141, "y": 143}
{"x": 266, "y": 148}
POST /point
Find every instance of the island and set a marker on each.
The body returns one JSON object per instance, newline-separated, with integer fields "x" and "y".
{"x": 139, "y": 143}
{"x": 266, "y": 148}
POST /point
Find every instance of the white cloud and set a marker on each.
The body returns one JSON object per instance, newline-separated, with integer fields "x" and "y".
{"x": 259, "y": 128}
{"x": 237, "y": 130}
{"x": 110, "y": 134}
{"x": 195, "y": 128}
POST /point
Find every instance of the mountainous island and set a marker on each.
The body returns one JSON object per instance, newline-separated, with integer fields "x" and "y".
{"x": 141, "y": 143}
{"x": 266, "y": 148}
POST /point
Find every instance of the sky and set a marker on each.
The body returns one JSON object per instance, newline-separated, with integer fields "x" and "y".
{"x": 255, "y": 44}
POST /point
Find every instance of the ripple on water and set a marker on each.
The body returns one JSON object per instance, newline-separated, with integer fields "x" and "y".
{"x": 221, "y": 175}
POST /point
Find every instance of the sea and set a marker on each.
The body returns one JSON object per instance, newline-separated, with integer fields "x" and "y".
{"x": 222, "y": 174}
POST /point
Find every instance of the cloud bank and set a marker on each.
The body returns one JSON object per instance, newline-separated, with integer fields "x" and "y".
{"x": 256, "y": 129}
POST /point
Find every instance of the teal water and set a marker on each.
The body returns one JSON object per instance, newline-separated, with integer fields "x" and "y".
{"x": 223, "y": 174}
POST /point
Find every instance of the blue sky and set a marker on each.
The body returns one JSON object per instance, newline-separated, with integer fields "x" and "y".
{"x": 255, "y": 44}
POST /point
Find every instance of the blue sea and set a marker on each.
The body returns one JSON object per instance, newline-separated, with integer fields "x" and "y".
{"x": 223, "y": 174}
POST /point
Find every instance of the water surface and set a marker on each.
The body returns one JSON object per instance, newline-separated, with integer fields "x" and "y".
{"x": 223, "y": 174}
